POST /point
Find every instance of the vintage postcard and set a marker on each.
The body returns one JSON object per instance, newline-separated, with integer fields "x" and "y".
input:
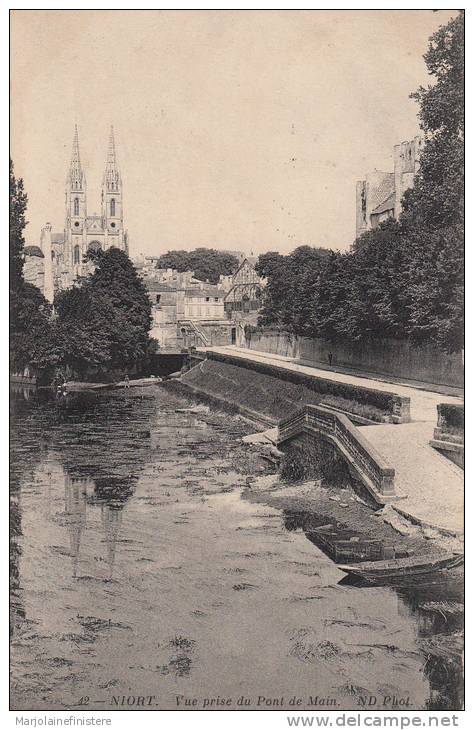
{"x": 237, "y": 362}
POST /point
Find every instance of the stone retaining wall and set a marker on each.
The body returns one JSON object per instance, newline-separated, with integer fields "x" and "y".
{"x": 398, "y": 358}
{"x": 397, "y": 407}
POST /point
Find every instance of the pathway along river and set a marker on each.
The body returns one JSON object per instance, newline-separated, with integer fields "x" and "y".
{"x": 140, "y": 570}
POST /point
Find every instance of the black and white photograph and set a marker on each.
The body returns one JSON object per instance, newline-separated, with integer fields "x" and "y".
{"x": 236, "y": 339}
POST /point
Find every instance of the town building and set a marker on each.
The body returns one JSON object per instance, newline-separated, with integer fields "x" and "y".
{"x": 379, "y": 195}
{"x": 64, "y": 252}
{"x": 244, "y": 296}
{"x": 186, "y": 311}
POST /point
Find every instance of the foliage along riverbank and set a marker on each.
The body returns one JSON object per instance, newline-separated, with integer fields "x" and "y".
{"x": 96, "y": 331}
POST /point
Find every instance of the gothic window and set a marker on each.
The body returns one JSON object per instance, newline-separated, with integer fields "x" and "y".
{"x": 77, "y": 254}
{"x": 112, "y": 208}
{"x": 76, "y": 206}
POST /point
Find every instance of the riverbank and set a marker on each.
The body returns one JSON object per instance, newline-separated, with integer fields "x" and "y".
{"x": 320, "y": 505}
{"x": 310, "y": 505}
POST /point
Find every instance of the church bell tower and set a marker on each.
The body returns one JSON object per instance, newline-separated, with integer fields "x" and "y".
{"x": 76, "y": 209}
{"x": 112, "y": 208}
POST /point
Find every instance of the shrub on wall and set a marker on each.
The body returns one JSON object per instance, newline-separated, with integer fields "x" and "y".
{"x": 452, "y": 414}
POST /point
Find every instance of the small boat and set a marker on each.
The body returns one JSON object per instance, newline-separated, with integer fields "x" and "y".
{"x": 382, "y": 570}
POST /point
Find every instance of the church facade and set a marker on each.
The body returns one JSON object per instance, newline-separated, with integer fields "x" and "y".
{"x": 82, "y": 232}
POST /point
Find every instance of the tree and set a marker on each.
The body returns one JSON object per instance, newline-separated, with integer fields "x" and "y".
{"x": 31, "y": 341}
{"x": 377, "y": 305}
{"x": 208, "y": 264}
{"x": 83, "y": 330}
{"x": 291, "y": 284}
{"x": 30, "y": 332}
{"x": 104, "y": 324}
{"x": 271, "y": 266}
{"x": 433, "y": 217}
{"x": 18, "y": 202}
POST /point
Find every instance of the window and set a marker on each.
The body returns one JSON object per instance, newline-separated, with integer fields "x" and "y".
{"x": 53, "y": 255}
{"x": 77, "y": 255}
{"x": 216, "y": 299}
{"x": 76, "y": 206}
{"x": 207, "y": 299}
{"x": 158, "y": 297}
{"x": 112, "y": 208}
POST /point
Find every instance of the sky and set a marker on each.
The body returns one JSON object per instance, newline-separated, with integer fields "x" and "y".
{"x": 239, "y": 130}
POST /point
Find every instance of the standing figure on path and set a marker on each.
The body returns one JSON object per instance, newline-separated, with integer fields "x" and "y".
{"x": 330, "y": 357}
{"x": 127, "y": 381}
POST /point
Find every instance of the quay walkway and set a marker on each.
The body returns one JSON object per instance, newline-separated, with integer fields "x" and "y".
{"x": 433, "y": 485}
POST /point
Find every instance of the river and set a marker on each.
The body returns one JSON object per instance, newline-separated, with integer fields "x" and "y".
{"x": 144, "y": 578}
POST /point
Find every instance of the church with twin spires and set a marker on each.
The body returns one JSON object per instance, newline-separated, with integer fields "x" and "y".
{"x": 59, "y": 260}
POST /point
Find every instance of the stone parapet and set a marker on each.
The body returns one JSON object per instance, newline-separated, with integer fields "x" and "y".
{"x": 369, "y": 466}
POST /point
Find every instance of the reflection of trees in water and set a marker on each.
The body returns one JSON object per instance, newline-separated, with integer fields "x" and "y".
{"x": 114, "y": 491}
{"x": 437, "y": 607}
{"x": 17, "y": 610}
{"x": 29, "y": 441}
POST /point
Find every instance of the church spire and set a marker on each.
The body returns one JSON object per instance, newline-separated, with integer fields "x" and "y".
{"x": 111, "y": 160}
{"x": 111, "y": 174}
{"x": 76, "y": 174}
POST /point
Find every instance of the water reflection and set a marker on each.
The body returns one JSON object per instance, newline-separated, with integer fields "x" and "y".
{"x": 438, "y": 607}
{"x": 136, "y": 564}
{"x": 75, "y": 515}
{"x": 110, "y": 495}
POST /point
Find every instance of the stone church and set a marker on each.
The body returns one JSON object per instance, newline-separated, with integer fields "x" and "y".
{"x": 59, "y": 261}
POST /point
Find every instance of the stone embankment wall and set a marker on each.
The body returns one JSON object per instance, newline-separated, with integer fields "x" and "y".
{"x": 397, "y": 358}
{"x": 277, "y": 392}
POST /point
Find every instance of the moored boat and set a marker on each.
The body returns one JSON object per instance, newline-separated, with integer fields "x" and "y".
{"x": 399, "y": 568}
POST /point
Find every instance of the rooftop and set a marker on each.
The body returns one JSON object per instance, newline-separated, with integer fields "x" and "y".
{"x": 388, "y": 204}
{"x": 384, "y": 190}
{"x": 206, "y": 291}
